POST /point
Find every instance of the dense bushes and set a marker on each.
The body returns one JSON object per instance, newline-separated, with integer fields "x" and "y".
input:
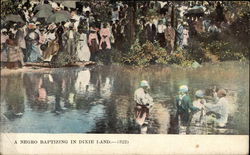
{"x": 152, "y": 53}
{"x": 201, "y": 49}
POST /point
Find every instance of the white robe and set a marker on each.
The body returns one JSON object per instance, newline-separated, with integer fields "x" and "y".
{"x": 143, "y": 98}
{"x": 83, "y": 52}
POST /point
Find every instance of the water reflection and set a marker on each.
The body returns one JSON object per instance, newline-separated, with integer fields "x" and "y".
{"x": 12, "y": 99}
{"x": 100, "y": 99}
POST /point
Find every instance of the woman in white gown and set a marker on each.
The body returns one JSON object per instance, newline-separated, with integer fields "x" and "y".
{"x": 83, "y": 52}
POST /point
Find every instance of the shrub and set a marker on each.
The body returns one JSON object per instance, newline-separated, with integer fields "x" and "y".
{"x": 225, "y": 50}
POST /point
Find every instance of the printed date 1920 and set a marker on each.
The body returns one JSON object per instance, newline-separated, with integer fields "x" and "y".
{"x": 112, "y": 142}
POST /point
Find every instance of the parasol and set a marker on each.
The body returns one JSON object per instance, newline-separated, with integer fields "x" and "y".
{"x": 14, "y": 18}
{"x": 43, "y": 13}
{"x": 58, "y": 17}
{"x": 43, "y": 7}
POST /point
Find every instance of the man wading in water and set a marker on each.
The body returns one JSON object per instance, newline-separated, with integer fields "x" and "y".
{"x": 185, "y": 106}
{"x": 143, "y": 103}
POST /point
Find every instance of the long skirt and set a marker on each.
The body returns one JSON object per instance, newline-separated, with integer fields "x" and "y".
{"x": 15, "y": 54}
{"x": 4, "y": 53}
{"x": 71, "y": 49}
{"x": 94, "y": 48}
{"x": 51, "y": 50}
{"x": 34, "y": 53}
{"x": 83, "y": 52}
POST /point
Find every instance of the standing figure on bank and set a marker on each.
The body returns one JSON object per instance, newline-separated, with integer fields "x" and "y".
{"x": 160, "y": 33}
{"x": 170, "y": 37}
{"x": 71, "y": 39}
{"x": 93, "y": 43}
{"x": 151, "y": 31}
{"x": 180, "y": 34}
{"x": 185, "y": 36}
{"x": 4, "y": 37}
{"x": 20, "y": 38}
{"x": 105, "y": 37}
{"x": 33, "y": 46}
{"x": 52, "y": 46}
{"x": 83, "y": 53}
{"x": 14, "y": 53}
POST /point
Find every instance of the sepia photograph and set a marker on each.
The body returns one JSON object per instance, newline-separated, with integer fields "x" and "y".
{"x": 123, "y": 68}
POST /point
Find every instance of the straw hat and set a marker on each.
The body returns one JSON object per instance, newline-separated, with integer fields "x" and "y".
{"x": 222, "y": 92}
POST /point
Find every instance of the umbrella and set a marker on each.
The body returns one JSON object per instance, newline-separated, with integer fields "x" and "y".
{"x": 57, "y": 18}
{"x": 43, "y": 7}
{"x": 43, "y": 14}
{"x": 14, "y": 18}
{"x": 64, "y": 12}
{"x": 196, "y": 10}
{"x": 69, "y": 4}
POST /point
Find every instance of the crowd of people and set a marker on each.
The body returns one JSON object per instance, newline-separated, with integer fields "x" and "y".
{"x": 198, "y": 112}
{"x": 79, "y": 34}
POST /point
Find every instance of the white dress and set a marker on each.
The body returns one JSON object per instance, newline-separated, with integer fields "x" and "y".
{"x": 185, "y": 37}
{"x": 83, "y": 52}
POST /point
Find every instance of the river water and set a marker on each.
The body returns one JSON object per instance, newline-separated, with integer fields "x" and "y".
{"x": 99, "y": 99}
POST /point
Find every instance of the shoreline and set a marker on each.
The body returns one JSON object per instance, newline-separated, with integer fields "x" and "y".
{"x": 38, "y": 69}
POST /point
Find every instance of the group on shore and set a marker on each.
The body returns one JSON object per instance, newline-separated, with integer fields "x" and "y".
{"x": 46, "y": 31}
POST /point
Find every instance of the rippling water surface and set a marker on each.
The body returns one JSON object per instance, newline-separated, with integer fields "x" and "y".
{"x": 100, "y": 99}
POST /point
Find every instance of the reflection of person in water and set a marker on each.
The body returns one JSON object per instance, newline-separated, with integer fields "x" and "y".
{"x": 42, "y": 94}
{"x": 15, "y": 94}
{"x": 63, "y": 87}
{"x": 31, "y": 83}
{"x": 143, "y": 102}
{"x": 58, "y": 87}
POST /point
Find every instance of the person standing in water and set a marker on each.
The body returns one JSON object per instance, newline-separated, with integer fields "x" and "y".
{"x": 199, "y": 117}
{"x": 143, "y": 103}
{"x": 220, "y": 107}
{"x": 184, "y": 105}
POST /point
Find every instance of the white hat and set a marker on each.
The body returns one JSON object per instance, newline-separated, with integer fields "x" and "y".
{"x": 144, "y": 83}
{"x": 199, "y": 93}
{"x": 183, "y": 88}
{"x": 4, "y": 30}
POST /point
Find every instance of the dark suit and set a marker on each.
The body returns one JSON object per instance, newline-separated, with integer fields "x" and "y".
{"x": 151, "y": 32}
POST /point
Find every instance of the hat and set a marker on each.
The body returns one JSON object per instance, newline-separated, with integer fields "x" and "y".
{"x": 183, "y": 88}
{"x": 4, "y": 30}
{"x": 144, "y": 83}
{"x": 221, "y": 92}
{"x": 199, "y": 93}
